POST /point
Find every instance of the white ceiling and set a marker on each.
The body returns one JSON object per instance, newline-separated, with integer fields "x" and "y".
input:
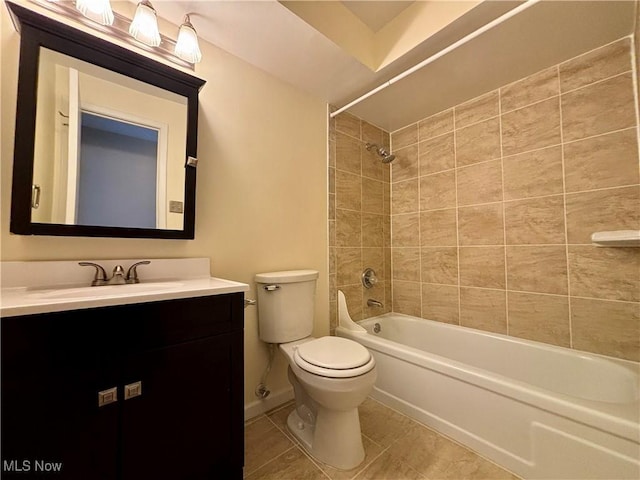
{"x": 376, "y": 14}
{"x": 271, "y": 37}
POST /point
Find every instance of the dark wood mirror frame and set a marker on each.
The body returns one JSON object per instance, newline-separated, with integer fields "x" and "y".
{"x": 38, "y": 31}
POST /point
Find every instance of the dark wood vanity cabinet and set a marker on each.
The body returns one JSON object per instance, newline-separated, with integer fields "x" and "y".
{"x": 186, "y": 422}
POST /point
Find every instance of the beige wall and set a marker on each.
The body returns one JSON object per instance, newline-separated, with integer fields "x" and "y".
{"x": 359, "y": 221}
{"x": 261, "y": 195}
{"x": 494, "y": 202}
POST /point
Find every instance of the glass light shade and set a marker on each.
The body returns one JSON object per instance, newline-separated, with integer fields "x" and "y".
{"x": 97, "y": 10}
{"x": 187, "y": 47}
{"x": 144, "y": 26}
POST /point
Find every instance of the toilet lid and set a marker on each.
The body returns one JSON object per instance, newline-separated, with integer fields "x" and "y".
{"x": 334, "y": 357}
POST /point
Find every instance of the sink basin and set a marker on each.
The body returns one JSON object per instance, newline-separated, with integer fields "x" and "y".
{"x": 92, "y": 292}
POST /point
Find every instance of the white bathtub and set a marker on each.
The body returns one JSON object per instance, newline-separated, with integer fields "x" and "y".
{"x": 538, "y": 410}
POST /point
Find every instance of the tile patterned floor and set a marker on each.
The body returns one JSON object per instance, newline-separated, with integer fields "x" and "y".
{"x": 396, "y": 448}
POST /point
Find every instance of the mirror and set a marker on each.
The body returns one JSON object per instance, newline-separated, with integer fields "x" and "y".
{"x": 102, "y": 138}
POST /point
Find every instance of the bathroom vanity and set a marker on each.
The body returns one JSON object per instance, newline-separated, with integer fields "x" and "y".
{"x": 144, "y": 383}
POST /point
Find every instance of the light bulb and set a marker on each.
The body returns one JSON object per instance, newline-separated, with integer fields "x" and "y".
{"x": 144, "y": 26}
{"x": 97, "y": 10}
{"x": 187, "y": 47}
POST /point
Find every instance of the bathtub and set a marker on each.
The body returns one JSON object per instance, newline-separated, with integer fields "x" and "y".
{"x": 538, "y": 410}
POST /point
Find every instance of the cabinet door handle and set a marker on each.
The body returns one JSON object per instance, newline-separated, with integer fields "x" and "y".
{"x": 105, "y": 397}
{"x": 132, "y": 390}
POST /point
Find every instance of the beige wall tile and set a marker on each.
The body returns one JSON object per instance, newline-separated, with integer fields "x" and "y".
{"x": 349, "y": 265}
{"x": 332, "y": 151}
{"x": 331, "y": 180}
{"x": 598, "y": 108}
{"x": 404, "y": 137}
{"x": 372, "y": 230}
{"x": 481, "y": 225}
{"x": 348, "y": 228}
{"x": 609, "y": 273}
{"x": 438, "y": 228}
{"x": 437, "y": 154}
{"x": 406, "y": 230}
{"x": 372, "y": 166}
{"x": 436, "y": 125}
{"x": 353, "y": 295}
{"x": 349, "y": 124}
{"x": 477, "y": 110}
{"x": 439, "y": 265}
{"x": 372, "y": 196}
{"x": 405, "y": 166}
{"x": 483, "y": 309}
{"x": 438, "y": 191}
{"x": 532, "y": 127}
{"x": 371, "y": 133}
{"x": 348, "y": 191}
{"x": 532, "y": 89}
{"x": 612, "y": 209}
{"x": 404, "y": 197}
{"x": 543, "y": 318}
{"x": 478, "y": 142}
{"x": 535, "y": 221}
{"x": 440, "y": 303}
{"x": 596, "y": 65}
{"x": 480, "y": 183}
{"x": 332, "y": 206}
{"x": 373, "y": 257}
{"x": 348, "y": 154}
{"x": 608, "y": 328}
{"x": 406, "y": 297}
{"x": 386, "y": 230}
{"x": 533, "y": 174}
{"x": 540, "y": 269}
{"x": 604, "y": 161}
{"x": 332, "y": 232}
{"x": 482, "y": 267}
{"x": 406, "y": 264}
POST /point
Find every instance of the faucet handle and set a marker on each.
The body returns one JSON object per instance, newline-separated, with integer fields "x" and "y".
{"x": 132, "y": 273}
{"x": 100, "y": 277}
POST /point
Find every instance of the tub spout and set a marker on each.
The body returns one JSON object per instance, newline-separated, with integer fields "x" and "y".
{"x": 374, "y": 303}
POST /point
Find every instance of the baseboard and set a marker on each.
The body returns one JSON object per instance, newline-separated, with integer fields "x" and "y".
{"x": 258, "y": 407}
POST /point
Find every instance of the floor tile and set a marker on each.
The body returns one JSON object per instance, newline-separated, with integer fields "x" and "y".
{"x": 291, "y": 465}
{"x": 262, "y": 442}
{"x": 386, "y": 467}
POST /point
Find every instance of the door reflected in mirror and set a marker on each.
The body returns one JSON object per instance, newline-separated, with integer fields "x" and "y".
{"x": 109, "y": 150}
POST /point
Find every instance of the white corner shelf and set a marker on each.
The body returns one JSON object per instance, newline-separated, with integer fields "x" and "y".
{"x": 616, "y": 238}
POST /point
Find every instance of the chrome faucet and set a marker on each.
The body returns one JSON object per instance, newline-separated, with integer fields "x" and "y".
{"x": 118, "y": 277}
{"x": 374, "y": 303}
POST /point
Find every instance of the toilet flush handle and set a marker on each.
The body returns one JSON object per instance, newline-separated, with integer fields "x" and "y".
{"x": 271, "y": 288}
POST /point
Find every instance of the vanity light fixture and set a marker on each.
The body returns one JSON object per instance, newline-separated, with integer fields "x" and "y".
{"x": 144, "y": 26}
{"x": 97, "y": 10}
{"x": 187, "y": 47}
{"x": 142, "y": 31}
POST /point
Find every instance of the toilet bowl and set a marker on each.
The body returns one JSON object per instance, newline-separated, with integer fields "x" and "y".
{"x": 325, "y": 419}
{"x": 331, "y": 376}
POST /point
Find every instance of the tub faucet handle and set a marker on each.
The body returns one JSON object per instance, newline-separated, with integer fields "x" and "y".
{"x": 132, "y": 273}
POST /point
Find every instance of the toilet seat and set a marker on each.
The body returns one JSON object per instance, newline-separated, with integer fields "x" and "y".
{"x": 333, "y": 357}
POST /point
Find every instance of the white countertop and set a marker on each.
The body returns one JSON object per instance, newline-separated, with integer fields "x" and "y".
{"x": 36, "y": 287}
{"x": 28, "y": 301}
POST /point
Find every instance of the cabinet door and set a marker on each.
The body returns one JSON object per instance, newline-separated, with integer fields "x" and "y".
{"x": 187, "y": 423}
{"x": 52, "y": 370}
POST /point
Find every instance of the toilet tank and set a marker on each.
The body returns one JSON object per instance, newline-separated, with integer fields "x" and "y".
{"x": 286, "y": 305}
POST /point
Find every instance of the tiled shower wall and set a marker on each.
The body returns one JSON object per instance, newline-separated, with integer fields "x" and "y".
{"x": 494, "y": 201}
{"x": 359, "y": 220}
{"x": 493, "y": 204}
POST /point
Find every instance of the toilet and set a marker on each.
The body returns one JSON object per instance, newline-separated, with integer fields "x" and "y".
{"x": 331, "y": 376}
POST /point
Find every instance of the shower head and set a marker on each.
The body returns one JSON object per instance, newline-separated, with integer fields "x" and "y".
{"x": 386, "y": 156}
